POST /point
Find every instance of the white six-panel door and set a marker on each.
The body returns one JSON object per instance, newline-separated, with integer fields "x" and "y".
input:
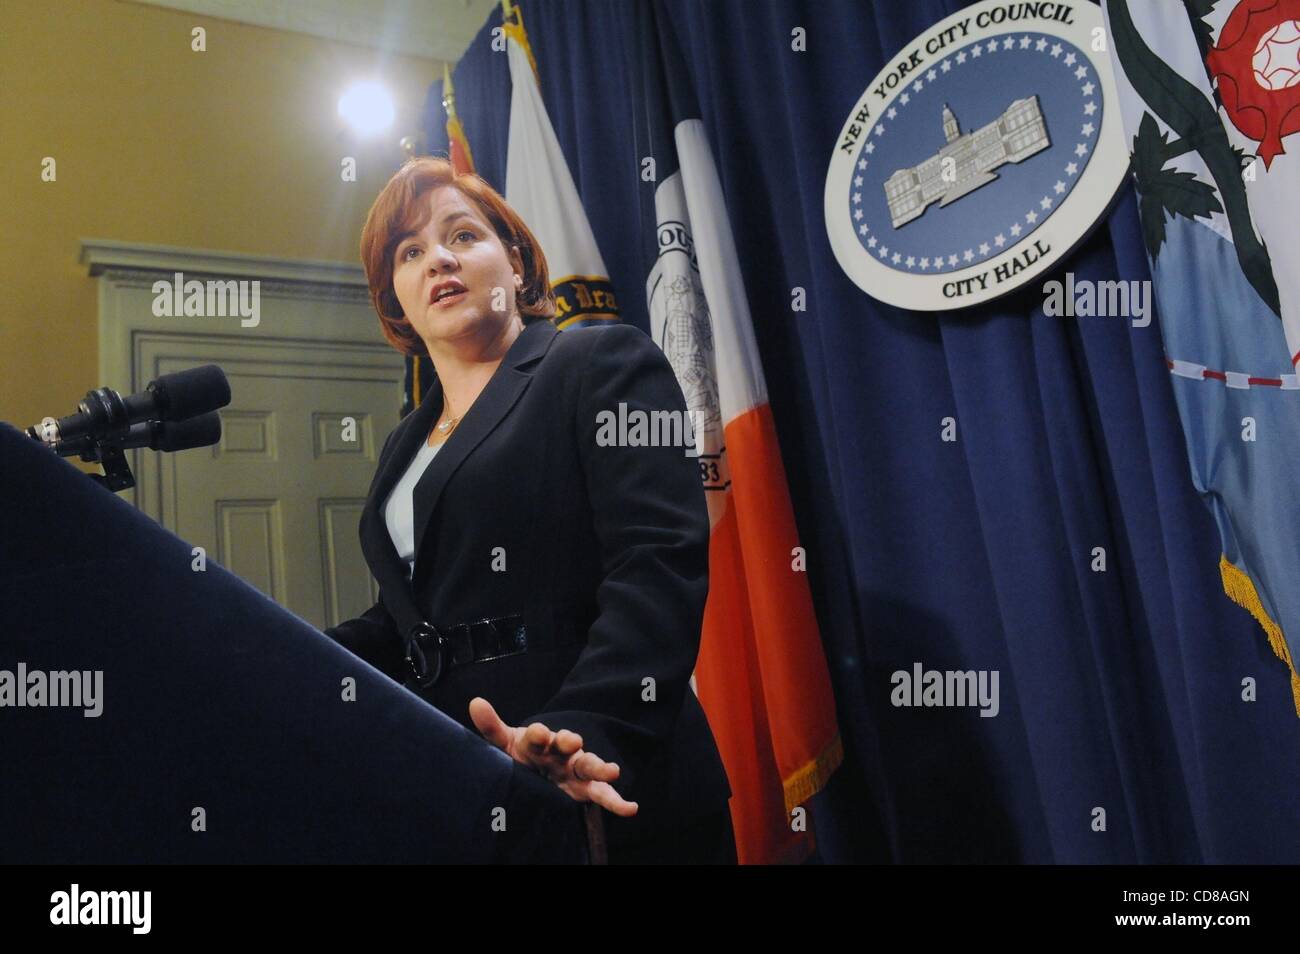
{"x": 315, "y": 390}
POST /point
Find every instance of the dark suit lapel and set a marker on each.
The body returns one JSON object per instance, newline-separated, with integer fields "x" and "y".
{"x": 503, "y": 390}
{"x": 415, "y": 426}
{"x": 388, "y": 568}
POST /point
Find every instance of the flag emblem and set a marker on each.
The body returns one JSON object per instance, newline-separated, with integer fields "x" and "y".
{"x": 1256, "y": 66}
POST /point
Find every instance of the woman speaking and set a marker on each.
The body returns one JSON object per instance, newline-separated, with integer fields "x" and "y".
{"x": 537, "y": 585}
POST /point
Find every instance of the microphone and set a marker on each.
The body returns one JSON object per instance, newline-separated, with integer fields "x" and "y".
{"x": 201, "y": 431}
{"x": 105, "y": 415}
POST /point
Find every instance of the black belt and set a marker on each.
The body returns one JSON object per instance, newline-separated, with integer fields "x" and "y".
{"x": 432, "y": 649}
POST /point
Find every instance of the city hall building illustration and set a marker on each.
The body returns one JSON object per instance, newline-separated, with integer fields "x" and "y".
{"x": 1014, "y": 136}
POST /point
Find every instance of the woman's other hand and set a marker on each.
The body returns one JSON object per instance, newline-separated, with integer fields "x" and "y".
{"x": 558, "y": 756}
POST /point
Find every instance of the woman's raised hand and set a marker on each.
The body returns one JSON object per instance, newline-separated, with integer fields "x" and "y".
{"x": 558, "y": 756}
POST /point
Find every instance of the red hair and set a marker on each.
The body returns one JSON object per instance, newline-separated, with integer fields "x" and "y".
{"x": 398, "y": 211}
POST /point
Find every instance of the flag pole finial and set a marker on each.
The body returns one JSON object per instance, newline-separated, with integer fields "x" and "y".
{"x": 448, "y": 92}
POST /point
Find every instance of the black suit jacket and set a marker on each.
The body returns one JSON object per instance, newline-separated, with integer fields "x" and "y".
{"x": 616, "y": 537}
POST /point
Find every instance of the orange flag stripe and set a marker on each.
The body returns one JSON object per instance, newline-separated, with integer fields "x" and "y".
{"x": 762, "y": 674}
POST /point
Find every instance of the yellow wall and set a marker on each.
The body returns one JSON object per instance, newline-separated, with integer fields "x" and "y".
{"x": 237, "y": 149}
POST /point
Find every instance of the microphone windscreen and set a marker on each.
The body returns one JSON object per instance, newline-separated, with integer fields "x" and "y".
{"x": 201, "y": 431}
{"x": 185, "y": 394}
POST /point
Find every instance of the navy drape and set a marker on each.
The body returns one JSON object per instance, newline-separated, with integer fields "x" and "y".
{"x": 1120, "y": 689}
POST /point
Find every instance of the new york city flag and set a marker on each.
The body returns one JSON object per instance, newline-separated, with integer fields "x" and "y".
{"x": 761, "y": 675}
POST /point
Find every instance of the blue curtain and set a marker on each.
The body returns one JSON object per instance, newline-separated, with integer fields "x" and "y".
{"x": 1119, "y": 689}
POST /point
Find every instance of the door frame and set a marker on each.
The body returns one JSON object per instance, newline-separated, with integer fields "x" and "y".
{"x": 328, "y": 304}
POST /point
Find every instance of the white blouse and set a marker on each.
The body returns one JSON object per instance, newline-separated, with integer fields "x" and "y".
{"x": 399, "y": 509}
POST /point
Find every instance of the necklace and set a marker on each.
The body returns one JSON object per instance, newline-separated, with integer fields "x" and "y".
{"x": 445, "y": 427}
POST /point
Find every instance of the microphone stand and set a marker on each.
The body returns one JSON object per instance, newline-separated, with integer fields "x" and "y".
{"x": 183, "y": 405}
{"x": 105, "y": 452}
{"x": 117, "y": 472}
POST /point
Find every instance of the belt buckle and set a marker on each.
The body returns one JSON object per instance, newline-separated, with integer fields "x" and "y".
{"x": 417, "y": 639}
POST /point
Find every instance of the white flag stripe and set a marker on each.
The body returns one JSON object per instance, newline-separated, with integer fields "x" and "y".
{"x": 538, "y": 183}
{"x": 741, "y": 385}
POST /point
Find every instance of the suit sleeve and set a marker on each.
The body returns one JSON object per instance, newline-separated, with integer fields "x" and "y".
{"x": 373, "y": 635}
{"x": 652, "y": 525}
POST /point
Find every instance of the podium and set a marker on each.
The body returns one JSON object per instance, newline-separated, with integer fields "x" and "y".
{"x": 227, "y": 730}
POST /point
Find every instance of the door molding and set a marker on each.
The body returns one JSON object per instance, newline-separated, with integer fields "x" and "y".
{"x": 320, "y": 308}
{"x": 102, "y": 254}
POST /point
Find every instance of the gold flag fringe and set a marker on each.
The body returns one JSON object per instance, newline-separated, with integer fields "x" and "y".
{"x": 1241, "y": 591}
{"x": 808, "y": 780}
